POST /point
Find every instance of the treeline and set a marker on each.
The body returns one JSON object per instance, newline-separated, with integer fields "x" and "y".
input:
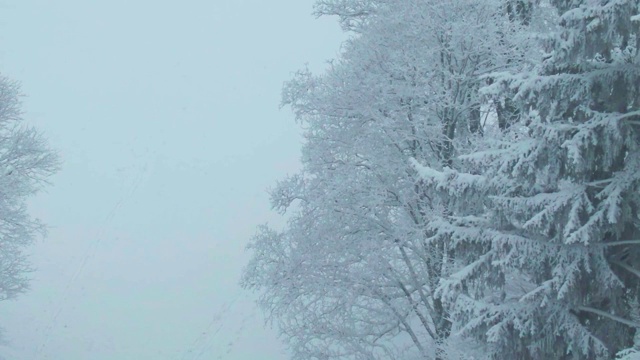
{"x": 470, "y": 186}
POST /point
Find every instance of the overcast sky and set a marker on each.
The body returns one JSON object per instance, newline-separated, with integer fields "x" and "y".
{"x": 166, "y": 117}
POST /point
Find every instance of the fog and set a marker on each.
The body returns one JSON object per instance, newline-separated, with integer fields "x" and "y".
{"x": 165, "y": 115}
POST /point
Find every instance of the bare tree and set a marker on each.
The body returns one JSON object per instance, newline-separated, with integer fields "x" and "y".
{"x": 26, "y": 162}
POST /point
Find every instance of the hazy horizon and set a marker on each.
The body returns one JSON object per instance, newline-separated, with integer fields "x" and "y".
{"x": 166, "y": 119}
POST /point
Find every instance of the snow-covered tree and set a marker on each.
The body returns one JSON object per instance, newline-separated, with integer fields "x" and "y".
{"x": 353, "y": 275}
{"x": 25, "y": 164}
{"x": 545, "y": 263}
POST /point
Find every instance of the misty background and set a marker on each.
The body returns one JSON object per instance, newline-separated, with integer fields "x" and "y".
{"x": 165, "y": 115}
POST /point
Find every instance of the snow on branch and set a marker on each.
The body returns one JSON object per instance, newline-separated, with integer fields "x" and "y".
{"x": 609, "y": 316}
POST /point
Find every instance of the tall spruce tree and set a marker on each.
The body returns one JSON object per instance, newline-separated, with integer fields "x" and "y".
{"x": 546, "y": 258}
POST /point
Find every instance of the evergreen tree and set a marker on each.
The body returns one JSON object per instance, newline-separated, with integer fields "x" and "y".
{"x": 545, "y": 264}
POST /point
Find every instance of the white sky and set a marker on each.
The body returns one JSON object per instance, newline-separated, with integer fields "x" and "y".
{"x": 165, "y": 114}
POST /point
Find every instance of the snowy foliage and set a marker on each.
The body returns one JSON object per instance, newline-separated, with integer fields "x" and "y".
{"x": 469, "y": 189}
{"x": 562, "y": 199}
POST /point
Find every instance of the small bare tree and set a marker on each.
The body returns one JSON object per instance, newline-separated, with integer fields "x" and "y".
{"x": 26, "y": 162}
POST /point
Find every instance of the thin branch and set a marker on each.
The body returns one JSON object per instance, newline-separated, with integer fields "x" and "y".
{"x": 414, "y": 306}
{"x": 609, "y": 316}
{"x": 621, "y": 243}
{"x": 627, "y": 267}
{"x": 405, "y": 324}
